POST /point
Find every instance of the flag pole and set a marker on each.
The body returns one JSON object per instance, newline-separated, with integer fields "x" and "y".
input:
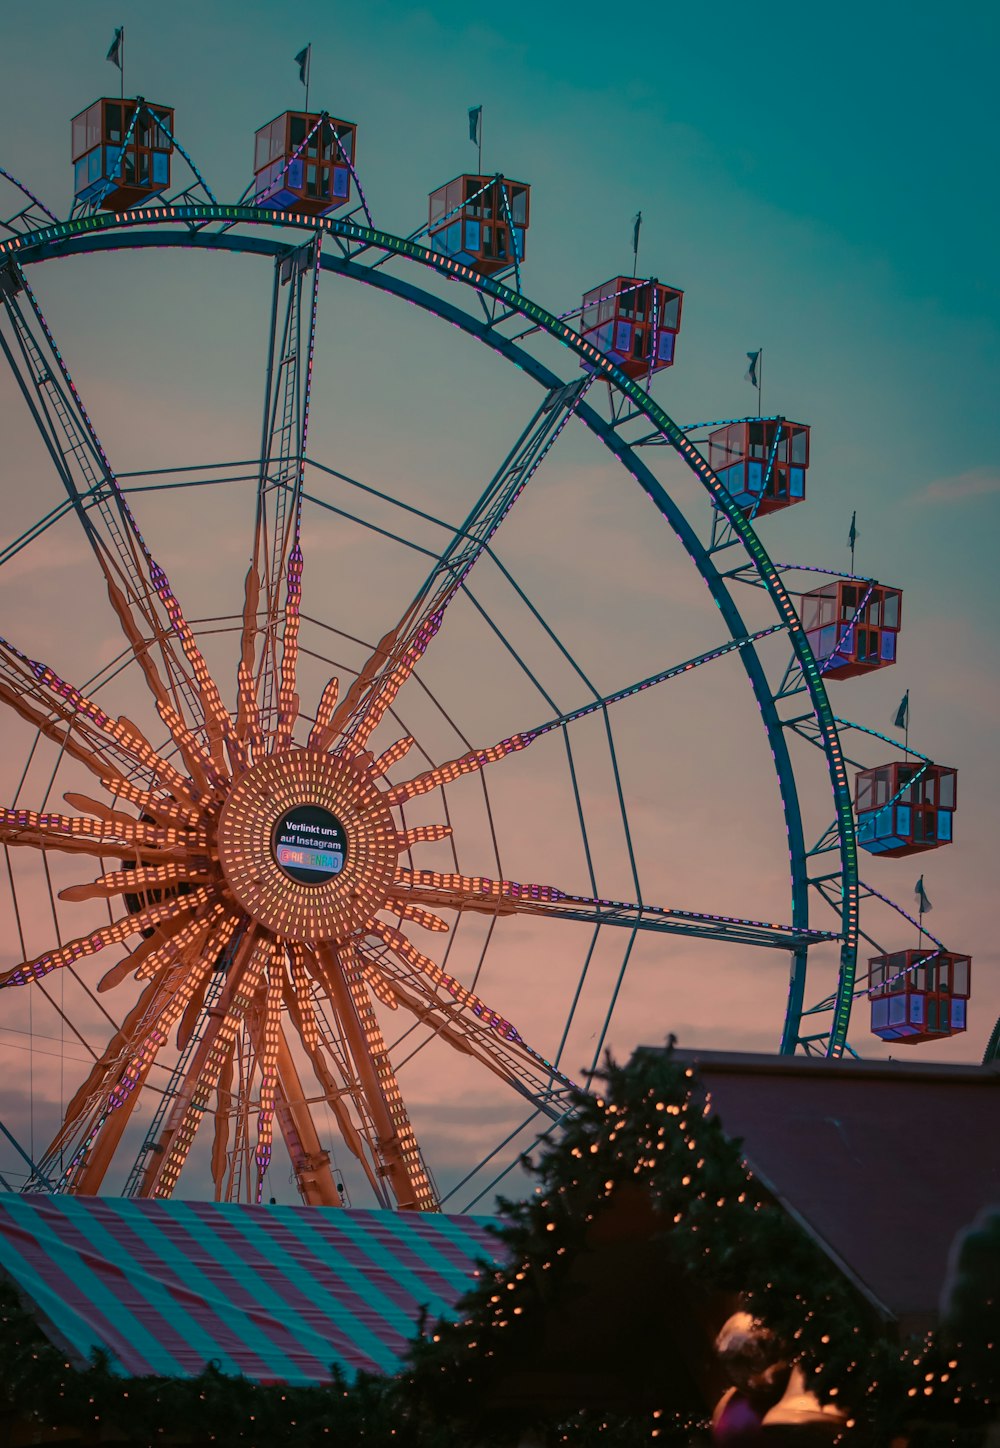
{"x": 479, "y": 139}
{"x": 760, "y": 381}
{"x": 121, "y": 69}
{"x": 309, "y": 62}
{"x": 853, "y": 538}
{"x": 923, "y": 905}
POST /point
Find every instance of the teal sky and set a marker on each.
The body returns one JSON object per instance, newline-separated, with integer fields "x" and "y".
{"x": 821, "y": 183}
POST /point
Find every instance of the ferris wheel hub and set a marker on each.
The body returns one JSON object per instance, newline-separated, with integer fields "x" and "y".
{"x": 307, "y": 845}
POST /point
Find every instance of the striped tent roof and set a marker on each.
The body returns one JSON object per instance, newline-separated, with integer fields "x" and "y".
{"x": 273, "y": 1292}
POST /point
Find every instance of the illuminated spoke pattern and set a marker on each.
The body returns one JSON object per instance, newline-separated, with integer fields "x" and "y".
{"x": 138, "y": 590}
{"x": 276, "y": 864}
{"x": 507, "y": 897}
{"x": 256, "y": 851}
{"x": 400, "y": 651}
{"x": 274, "y": 579}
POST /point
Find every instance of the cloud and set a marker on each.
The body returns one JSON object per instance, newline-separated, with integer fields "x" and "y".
{"x": 975, "y": 483}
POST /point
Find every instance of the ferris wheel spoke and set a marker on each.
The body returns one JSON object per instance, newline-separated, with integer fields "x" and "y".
{"x": 136, "y": 882}
{"x": 221, "y": 1115}
{"x": 172, "y": 941}
{"x": 79, "y": 724}
{"x": 203, "y": 768}
{"x": 192, "y": 967}
{"x": 299, "y": 1000}
{"x": 508, "y": 897}
{"x": 472, "y": 762}
{"x": 59, "y": 724}
{"x": 91, "y": 1098}
{"x": 85, "y": 945}
{"x": 321, "y": 735}
{"x": 491, "y": 1022}
{"x": 174, "y": 971}
{"x": 248, "y": 726}
{"x": 267, "y": 1052}
{"x": 98, "y": 736}
{"x": 213, "y": 713}
{"x": 137, "y": 585}
{"x": 119, "y": 837}
{"x": 398, "y": 1148}
{"x": 468, "y": 1026}
{"x": 288, "y": 699}
{"x": 361, "y": 1142}
{"x": 477, "y": 759}
{"x": 400, "y": 650}
{"x": 103, "y": 1124}
{"x": 117, "y": 1048}
{"x": 268, "y": 701}
{"x": 310, "y": 1162}
{"x": 391, "y": 756}
{"x": 192, "y": 1102}
{"x": 160, "y": 811}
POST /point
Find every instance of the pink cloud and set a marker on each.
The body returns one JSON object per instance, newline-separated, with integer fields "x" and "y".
{"x": 976, "y": 483}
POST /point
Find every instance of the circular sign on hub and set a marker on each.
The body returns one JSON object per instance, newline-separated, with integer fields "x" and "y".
{"x": 309, "y": 844}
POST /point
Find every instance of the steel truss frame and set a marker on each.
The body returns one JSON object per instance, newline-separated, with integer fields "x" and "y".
{"x": 365, "y": 255}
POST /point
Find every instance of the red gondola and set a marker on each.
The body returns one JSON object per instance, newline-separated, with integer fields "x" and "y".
{"x": 904, "y": 808}
{"x": 625, "y": 315}
{"x": 480, "y": 221}
{"x": 111, "y": 174}
{"x": 852, "y": 626}
{"x": 318, "y": 180}
{"x": 912, "y": 1002}
{"x": 761, "y": 461}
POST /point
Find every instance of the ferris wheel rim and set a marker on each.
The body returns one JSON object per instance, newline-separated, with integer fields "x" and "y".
{"x": 137, "y": 230}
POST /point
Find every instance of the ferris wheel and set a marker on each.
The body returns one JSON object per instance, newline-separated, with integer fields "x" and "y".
{"x": 282, "y": 845}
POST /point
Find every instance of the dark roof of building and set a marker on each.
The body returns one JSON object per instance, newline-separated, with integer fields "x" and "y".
{"x": 273, "y": 1292}
{"x": 884, "y": 1162}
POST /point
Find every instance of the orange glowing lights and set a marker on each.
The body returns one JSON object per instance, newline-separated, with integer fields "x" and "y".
{"x": 338, "y": 907}
{"x": 236, "y": 935}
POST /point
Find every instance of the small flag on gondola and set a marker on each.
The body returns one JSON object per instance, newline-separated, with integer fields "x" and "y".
{"x": 475, "y": 121}
{"x": 902, "y": 719}
{"x": 754, "y": 359}
{"x": 923, "y": 904}
{"x": 302, "y": 61}
{"x": 852, "y": 536}
{"x": 115, "y": 48}
{"x": 636, "y": 226}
